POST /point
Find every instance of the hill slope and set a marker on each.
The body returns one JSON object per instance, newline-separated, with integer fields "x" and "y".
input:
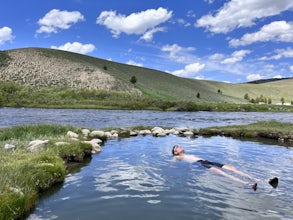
{"x": 47, "y": 67}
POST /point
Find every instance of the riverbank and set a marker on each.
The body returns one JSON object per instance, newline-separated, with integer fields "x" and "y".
{"x": 28, "y": 169}
{"x": 18, "y": 96}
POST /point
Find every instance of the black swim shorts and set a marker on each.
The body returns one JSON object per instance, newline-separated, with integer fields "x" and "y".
{"x": 209, "y": 164}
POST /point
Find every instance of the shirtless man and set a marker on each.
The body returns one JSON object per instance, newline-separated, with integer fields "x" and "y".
{"x": 178, "y": 152}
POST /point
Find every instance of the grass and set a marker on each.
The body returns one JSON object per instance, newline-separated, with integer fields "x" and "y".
{"x": 24, "y": 174}
{"x": 266, "y": 129}
{"x": 14, "y": 95}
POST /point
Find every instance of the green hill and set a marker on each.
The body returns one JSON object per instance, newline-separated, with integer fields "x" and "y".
{"x": 39, "y": 67}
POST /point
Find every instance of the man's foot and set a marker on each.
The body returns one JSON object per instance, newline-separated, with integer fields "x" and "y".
{"x": 274, "y": 182}
{"x": 254, "y": 186}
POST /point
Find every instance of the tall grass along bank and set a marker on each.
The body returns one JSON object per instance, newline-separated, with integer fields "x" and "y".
{"x": 15, "y": 95}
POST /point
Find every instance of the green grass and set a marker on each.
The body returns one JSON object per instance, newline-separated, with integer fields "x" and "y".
{"x": 14, "y": 95}
{"x": 266, "y": 129}
{"x": 24, "y": 174}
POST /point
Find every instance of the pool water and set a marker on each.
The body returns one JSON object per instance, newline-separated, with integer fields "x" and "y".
{"x": 137, "y": 178}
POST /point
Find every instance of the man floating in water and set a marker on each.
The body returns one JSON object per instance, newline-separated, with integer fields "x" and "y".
{"x": 178, "y": 152}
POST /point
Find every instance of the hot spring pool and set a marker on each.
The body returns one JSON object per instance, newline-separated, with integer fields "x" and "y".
{"x": 137, "y": 178}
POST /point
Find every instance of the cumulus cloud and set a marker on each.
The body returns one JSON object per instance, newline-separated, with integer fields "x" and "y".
{"x": 179, "y": 54}
{"x": 189, "y": 70}
{"x": 76, "y": 47}
{"x": 55, "y": 20}
{"x": 278, "y": 31}
{"x": 253, "y": 77}
{"x": 5, "y": 35}
{"x": 239, "y": 13}
{"x": 291, "y": 68}
{"x": 236, "y": 56}
{"x": 135, "y": 23}
{"x": 131, "y": 62}
{"x": 280, "y": 53}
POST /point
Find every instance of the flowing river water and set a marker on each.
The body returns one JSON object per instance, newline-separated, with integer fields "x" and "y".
{"x": 137, "y": 178}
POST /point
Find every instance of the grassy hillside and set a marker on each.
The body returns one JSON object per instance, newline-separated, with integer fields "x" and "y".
{"x": 39, "y": 67}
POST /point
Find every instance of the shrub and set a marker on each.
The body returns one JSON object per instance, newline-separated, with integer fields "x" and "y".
{"x": 133, "y": 80}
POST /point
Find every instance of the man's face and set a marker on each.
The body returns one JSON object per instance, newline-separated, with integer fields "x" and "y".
{"x": 178, "y": 150}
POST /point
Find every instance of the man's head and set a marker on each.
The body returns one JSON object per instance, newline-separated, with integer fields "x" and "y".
{"x": 177, "y": 150}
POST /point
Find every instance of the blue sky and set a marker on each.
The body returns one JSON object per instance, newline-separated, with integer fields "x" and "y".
{"x": 231, "y": 41}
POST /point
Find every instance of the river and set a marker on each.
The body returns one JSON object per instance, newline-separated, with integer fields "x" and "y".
{"x": 91, "y": 118}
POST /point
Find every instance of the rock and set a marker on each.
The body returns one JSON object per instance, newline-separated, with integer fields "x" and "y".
{"x": 114, "y": 132}
{"x": 72, "y": 134}
{"x": 188, "y": 133}
{"x": 37, "y": 145}
{"x": 158, "y": 132}
{"x": 97, "y": 140}
{"x": 9, "y": 147}
{"x": 97, "y": 133}
{"x": 195, "y": 131}
{"x": 85, "y": 132}
{"x": 111, "y": 135}
{"x": 96, "y": 148}
{"x": 174, "y": 131}
{"x": 182, "y": 129}
{"x": 163, "y": 134}
{"x": 145, "y": 132}
{"x": 133, "y": 133}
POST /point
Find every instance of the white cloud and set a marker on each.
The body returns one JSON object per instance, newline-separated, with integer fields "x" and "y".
{"x": 5, "y": 35}
{"x": 191, "y": 14}
{"x": 216, "y": 56}
{"x": 148, "y": 36}
{"x": 135, "y": 23}
{"x": 56, "y": 19}
{"x": 181, "y": 21}
{"x": 253, "y": 77}
{"x": 76, "y": 47}
{"x": 278, "y": 31}
{"x": 236, "y": 56}
{"x": 280, "y": 53}
{"x": 189, "y": 70}
{"x": 291, "y": 68}
{"x": 278, "y": 76}
{"x": 209, "y": 1}
{"x": 242, "y": 13}
{"x": 131, "y": 62}
{"x": 179, "y": 54}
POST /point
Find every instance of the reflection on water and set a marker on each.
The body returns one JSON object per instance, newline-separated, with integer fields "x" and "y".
{"x": 138, "y": 178}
